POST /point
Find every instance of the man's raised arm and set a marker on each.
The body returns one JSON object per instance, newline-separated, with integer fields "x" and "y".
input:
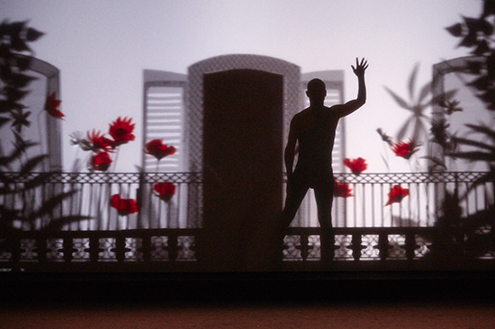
{"x": 354, "y": 104}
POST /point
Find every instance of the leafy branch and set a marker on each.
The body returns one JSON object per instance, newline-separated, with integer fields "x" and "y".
{"x": 22, "y": 187}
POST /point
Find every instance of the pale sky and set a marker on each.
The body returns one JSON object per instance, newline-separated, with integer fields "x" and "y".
{"x": 102, "y": 47}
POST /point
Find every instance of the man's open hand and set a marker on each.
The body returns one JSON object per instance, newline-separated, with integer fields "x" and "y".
{"x": 360, "y": 67}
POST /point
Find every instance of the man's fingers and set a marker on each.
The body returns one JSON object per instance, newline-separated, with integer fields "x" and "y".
{"x": 363, "y": 65}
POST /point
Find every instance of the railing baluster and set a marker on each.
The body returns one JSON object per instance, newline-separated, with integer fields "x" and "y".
{"x": 15, "y": 248}
{"x": 146, "y": 248}
{"x": 68, "y": 249}
{"x": 172, "y": 247}
{"x": 383, "y": 246}
{"x": 411, "y": 245}
{"x": 356, "y": 246}
{"x": 94, "y": 249}
{"x": 41, "y": 249}
{"x": 304, "y": 246}
{"x": 120, "y": 248}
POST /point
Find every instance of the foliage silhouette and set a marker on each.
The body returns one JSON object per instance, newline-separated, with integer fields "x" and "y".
{"x": 446, "y": 140}
{"x": 417, "y": 122}
{"x": 477, "y": 35}
{"x": 418, "y": 105}
{"x": 456, "y": 232}
{"x": 22, "y": 186}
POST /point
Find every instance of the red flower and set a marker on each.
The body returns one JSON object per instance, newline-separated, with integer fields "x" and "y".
{"x": 124, "y": 206}
{"x": 157, "y": 149}
{"x": 342, "y": 190}
{"x": 121, "y": 131}
{"x": 165, "y": 190}
{"x": 51, "y": 106}
{"x": 98, "y": 141}
{"x": 403, "y": 149}
{"x": 396, "y": 194}
{"x": 101, "y": 161}
{"x": 357, "y": 166}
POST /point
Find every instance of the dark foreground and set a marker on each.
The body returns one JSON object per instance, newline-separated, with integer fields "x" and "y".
{"x": 249, "y": 300}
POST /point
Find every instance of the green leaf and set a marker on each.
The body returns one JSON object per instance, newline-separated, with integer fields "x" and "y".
{"x": 481, "y": 83}
{"x": 419, "y": 129}
{"x": 403, "y": 130}
{"x": 483, "y": 130}
{"x": 455, "y": 30}
{"x": 5, "y": 106}
{"x": 488, "y": 96}
{"x": 33, "y": 34}
{"x": 469, "y": 41}
{"x": 465, "y": 141}
{"x": 443, "y": 98}
{"x": 401, "y": 102}
{"x": 473, "y": 24}
{"x": 22, "y": 144}
{"x": 23, "y": 62}
{"x": 3, "y": 28}
{"x": 436, "y": 162}
{"x": 32, "y": 163}
{"x": 14, "y": 94}
{"x": 483, "y": 26}
{"x": 49, "y": 205}
{"x": 412, "y": 81}
{"x": 481, "y": 49}
{"x": 5, "y": 72}
{"x": 488, "y": 178}
{"x": 57, "y": 223}
{"x": 474, "y": 67}
{"x": 475, "y": 156}
{"x": 424, "y": 92}
{"x": 38, "y": 180}
{"x": 488, "y": 8}
{"x": 14, "y": 29}
{"x": 5, "y": 52}
{"x": 19, "y": 45}
{"x": 20, "y": 119}
{"x": 8, "y": 214}
{"x": 3, "y": 121}
{"x": 21, "y": 80}
{"x": 14, "y": 155}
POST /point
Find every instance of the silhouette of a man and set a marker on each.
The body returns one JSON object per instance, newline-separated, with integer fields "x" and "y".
{"x": 314, "y": 130}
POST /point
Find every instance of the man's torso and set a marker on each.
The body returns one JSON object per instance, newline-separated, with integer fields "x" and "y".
{"x": 316, "y": 135}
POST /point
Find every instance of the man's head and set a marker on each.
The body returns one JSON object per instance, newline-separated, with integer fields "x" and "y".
{"x": 317, "y": 91}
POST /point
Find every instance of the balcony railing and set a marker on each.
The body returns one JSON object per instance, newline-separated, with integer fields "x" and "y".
{"x": 365, "y": 208}
{"x": 175, "y": 250}
{"x": 162, "y": 235}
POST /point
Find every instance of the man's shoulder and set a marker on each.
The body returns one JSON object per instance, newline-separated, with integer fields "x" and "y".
{"x": 302, "y": 113}
{"x": 299, "y": 117}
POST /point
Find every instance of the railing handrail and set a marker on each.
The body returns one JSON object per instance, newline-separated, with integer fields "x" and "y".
{"x": 34, "y": 234}
{"x": 125, "y": 233}
{"x": 196, "y": 177}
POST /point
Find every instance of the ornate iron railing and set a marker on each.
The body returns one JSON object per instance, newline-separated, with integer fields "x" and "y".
{"x": 367, "y": 207}
{"x": 162, "y": 236}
